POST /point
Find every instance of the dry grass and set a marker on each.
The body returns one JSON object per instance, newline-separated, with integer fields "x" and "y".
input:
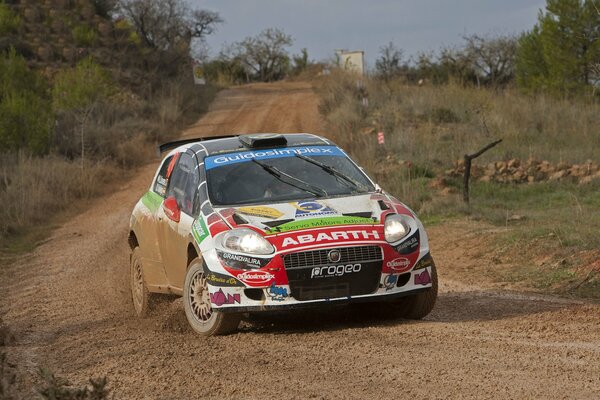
{"x": 428, "y": 128}
{"x": 32, "y": 188}
{"x": 122, "y": 134}
{"x": 435, "y": 125}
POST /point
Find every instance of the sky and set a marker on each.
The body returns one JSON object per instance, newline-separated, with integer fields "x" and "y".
{"x": 322, "y": 26}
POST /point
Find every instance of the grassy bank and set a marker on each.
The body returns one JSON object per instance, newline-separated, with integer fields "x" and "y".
{"x": 38, "y": 192}
{"x": 551, "y": 237}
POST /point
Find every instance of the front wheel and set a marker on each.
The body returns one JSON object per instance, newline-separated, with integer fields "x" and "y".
{"x": 419, "y": 305}
{"x": 198, "y": 310}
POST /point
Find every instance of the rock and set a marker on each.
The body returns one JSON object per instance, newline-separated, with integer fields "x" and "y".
{"x": 558, "y": 175}
{"x": 514, "y": 163}
{"x": 518, "y": 175}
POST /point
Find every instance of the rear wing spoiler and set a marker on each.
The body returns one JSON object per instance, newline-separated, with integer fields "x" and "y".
{"x": 174, "y": 144}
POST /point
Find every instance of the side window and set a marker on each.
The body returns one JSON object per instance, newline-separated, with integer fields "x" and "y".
{"x": 160, "y": 184}
{"x": 183, "y": 184}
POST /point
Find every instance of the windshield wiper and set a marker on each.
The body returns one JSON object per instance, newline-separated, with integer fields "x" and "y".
{"x": 277, "y": 173}
{"x": 355, "y": 184}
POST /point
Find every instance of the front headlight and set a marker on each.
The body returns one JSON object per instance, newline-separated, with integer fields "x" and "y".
{"x": 395, "y": 228}
{"x": 245, "y": 240}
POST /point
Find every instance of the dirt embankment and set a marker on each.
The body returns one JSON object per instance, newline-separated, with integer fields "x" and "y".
{"x": 68, "y": 304}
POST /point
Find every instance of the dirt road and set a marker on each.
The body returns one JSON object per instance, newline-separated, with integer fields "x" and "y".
{"x": 69, "y": 306}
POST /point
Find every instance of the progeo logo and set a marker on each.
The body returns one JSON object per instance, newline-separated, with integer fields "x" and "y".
{"x": 331, "y": 236}
{"x": 334, "y": 270}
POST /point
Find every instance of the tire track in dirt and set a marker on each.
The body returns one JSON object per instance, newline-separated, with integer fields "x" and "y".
{"x": 68, "y": 303}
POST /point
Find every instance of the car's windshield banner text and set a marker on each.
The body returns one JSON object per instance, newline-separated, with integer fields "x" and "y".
{"x": 232, "y": 158}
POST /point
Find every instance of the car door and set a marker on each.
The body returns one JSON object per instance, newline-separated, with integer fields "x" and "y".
{"x": 174, "y": 233}
{"x": 146, "y": 225}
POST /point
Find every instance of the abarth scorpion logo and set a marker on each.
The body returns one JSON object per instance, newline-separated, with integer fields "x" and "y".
{"x": 334, "y": 256}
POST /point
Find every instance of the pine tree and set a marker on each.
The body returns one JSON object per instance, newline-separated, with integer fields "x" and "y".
{"x": 561, "y": 51}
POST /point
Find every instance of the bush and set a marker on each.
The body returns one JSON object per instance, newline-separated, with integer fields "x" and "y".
{"x": 25, "y": 113}
{"x": 24, "y": 122}
{"x": 84, "y": 36}
{"x": 9, "y": 21}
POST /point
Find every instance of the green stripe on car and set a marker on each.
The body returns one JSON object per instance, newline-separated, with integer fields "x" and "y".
{"x": 152, "y": 201}
{"x": 319, "y": 223}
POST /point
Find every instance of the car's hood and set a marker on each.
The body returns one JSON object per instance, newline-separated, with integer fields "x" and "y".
{"x": 280, "y": 217}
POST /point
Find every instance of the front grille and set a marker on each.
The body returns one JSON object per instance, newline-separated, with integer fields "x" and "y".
{"x": 362, "y": 277}
{"x": 315, "y": 258}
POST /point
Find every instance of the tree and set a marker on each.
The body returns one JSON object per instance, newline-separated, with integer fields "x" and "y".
{"x": 563, "y": 49}
{"x": 388, "y": 65}
{"x": 265, "y": 55}
{"x": 169, "y": 26}
{"x": 78, "y": 91}
{"x": 491, "y": 58}
{"x": 301, "y": 61}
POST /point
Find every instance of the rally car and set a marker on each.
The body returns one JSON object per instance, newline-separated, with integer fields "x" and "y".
{"x": 263, "y": 222}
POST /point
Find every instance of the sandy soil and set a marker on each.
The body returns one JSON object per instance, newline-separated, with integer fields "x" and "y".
{"x": 68, "y": 304}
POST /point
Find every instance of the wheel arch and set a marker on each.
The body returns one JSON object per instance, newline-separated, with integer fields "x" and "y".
{"x": 132, "y": 240}
{"x": 192, "y": 253}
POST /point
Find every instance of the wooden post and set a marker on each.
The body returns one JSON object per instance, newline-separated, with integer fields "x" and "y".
{"x": 467, "y": 174}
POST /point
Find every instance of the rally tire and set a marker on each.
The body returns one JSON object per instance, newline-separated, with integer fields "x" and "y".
{"x": 140, "y": 296}
{"x": 196, "y": 303}
{"x": 419, "y": 305}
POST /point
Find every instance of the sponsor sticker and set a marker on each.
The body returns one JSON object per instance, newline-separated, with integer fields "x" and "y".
{"x": 240, "y": 258}
{"x": 399, "y": 264}
{"x": 330, "y": 236}
{"x": 244, "y": 156}
{"x": 424, "y": 278}
{"x": 311, "y": 209}
{"x": 320, "y": 222}
{"x": 390, "y": 282}
{"x": 277, "y": 293}
{"x": 220, "y": 298}
{"x": 199, "y": 230}
{"x": 216, "y": 279}
{"x": 334, "y": 270}
{"x": 260, "y": 211}
{"x": 256, "y": 277}
{"x": 409, "y": 245}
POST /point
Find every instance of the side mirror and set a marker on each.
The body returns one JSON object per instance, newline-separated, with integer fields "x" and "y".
{"x": 171, "y": 209}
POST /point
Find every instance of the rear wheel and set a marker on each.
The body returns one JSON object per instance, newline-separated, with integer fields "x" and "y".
{"x": 198, "y": 310}
{"x": 139, "y": 291}
{"x": 419, "y": 305}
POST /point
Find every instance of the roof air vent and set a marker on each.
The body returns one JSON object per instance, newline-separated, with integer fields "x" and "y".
{"x": 263, "y": 140}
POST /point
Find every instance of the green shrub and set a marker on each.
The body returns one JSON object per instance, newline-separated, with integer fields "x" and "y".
{"x": 84, "y": 36}
{"x": 25, "y": 114}
{"x": 24, "y": 122}
{"x": 9, "y": 21}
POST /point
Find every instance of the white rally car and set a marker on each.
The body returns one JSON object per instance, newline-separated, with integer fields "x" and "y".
{"x": 271, "y": 222}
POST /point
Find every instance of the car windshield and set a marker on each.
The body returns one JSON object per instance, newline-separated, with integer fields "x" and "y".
{"x": 275, "y": 175}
